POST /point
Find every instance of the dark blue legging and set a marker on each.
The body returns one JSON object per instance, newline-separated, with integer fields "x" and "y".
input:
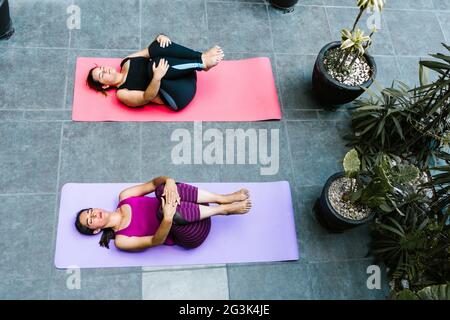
{"x": 179, "y": 84}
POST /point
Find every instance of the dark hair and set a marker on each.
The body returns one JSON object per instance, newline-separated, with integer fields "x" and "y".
{"x": 96, "y": 85}
{"x": 107, "y": 235}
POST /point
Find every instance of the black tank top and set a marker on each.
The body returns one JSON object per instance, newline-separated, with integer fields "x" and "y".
{"x": 140, "y": 73}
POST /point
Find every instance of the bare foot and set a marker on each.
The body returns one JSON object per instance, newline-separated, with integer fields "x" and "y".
{"x": 212, "y": 57}
{"x": 236, "y": 196}
{"x": 240, "y": 207}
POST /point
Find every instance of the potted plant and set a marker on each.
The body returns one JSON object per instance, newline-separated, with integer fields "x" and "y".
{"x": 6, "y": 29}
{"x": 410, "y": 232}
{"x": 286, "y": 5}
{"x": 350, "y": 198}
{"x": 344, "y": 69}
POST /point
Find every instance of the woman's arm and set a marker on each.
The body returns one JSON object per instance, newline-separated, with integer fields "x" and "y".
{"x": 136, "y": 98}
{"x": 152, "y": 90}
{"x": 145, "y": 188}
{"x": 142, "y": 243}
{"x": 141, "y": 53}
{"x": 134, "y": 243}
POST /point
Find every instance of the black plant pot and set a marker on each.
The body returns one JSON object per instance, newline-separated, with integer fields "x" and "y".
{"x": 283, "y": 4}
{"x": 330, "y": 91}
{"x": 6, "y": 28}
{"x": 330, "y": 218}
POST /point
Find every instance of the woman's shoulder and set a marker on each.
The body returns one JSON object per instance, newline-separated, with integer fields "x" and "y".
{"x": 123, "y": 61}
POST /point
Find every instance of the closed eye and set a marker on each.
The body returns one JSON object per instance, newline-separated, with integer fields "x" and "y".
{"x": 89, "y": 219}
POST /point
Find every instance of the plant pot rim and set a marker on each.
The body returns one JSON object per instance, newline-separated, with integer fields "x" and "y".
{"x": 330, "y": 180}
{"x": 370, "y": 60}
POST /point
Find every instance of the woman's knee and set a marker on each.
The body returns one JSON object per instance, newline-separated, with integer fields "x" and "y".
{"x": 154, "y": 49}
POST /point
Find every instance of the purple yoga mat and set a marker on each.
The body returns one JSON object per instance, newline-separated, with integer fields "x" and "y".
{"x": 266, "y": 233}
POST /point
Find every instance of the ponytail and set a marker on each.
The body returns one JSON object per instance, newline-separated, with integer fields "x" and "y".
{"x": 107, "y": 235}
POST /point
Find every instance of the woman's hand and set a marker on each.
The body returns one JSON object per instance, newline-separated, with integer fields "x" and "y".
{"x": 168, "y": 208}
{"x": 160, "y": 71}
{"x": 163, "y": 40}
{"x": 171, "y": 192}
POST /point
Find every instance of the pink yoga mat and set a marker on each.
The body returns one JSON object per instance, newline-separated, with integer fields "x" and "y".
{"x": 242, "y": 90}
{"x": 266, "y": 233}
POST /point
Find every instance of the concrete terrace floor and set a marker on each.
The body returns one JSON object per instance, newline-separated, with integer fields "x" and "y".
{"x": 41, "y": 149}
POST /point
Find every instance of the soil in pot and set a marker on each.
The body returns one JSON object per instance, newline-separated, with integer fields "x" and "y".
{"x": 346, "y": 209}
{"x": 359, "y": 73}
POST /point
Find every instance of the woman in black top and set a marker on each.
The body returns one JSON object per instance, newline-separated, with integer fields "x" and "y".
{"x": 163, "y": 73}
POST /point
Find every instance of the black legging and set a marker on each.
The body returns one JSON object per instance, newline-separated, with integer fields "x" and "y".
{"x": 179, "y": 84}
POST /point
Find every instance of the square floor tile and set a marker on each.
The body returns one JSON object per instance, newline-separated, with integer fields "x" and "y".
{"x": 251, "y": 152}
{"x": 95, "y": 286}
{"x": 107, "y": 24}
{"x": 242, "y": 27}
{"x": 198, "y": 284}
{"x": 317, "y": 149}
{"x": 24, "y": 289}
{"x": 100, "y": 152}
{"x": 26, "y": 236}
{"x": 410, "y": 4}
{"x": 295, "y": 74}
{"x": 39, "y": 23}
{"x": 290, "y": 31}
{"x": 34, "y": 78}
{"x": 184, "y": 22}
{"x": 174, "y": 149}
{"x": 414, "y": 33}
{"x": 284, "y": 280}
{"x": 29, "y": 157}
{"x": 387, "y": 71}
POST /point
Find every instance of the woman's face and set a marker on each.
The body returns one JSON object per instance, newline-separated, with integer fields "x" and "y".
{"x": 94, "y": 219}
{"x": 104, "y": 75}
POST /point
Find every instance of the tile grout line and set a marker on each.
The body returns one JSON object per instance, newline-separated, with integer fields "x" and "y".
{"x": 27, "y": 194}
{"x": 440, "y": 26}
{"x": 65, "y": 48}
{"x": 329, "y": 24}
{"x": 286, "y": 132}
{"x": 205, "y": 5}
{"x": 277, "y": 74}
{"x": 228, "y": 281}
{"x": 53, "y": 243}
{"x": 58, "y": 171}
{"x": 390, "y": 37}
{"x": 140, "y": 24}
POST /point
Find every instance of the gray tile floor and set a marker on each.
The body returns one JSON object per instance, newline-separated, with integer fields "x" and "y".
{"x": 41, "y": 149}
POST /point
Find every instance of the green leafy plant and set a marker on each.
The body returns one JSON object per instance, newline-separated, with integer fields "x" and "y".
{"x": 353, "y": 42}
{"x": 384, "y": 187}
{"x": 440, "y": 182}
{"x": 399, "y": 134}
{"x": 435, "y": 292}
{"x": 409, "y": 123}
{"x": 415, "y": 247}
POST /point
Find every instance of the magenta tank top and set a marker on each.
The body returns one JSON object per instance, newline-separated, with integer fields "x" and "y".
{"x": 144, "y": 221}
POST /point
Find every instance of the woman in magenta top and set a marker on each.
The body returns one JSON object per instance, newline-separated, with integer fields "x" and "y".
{"x": 180, "y": 214}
